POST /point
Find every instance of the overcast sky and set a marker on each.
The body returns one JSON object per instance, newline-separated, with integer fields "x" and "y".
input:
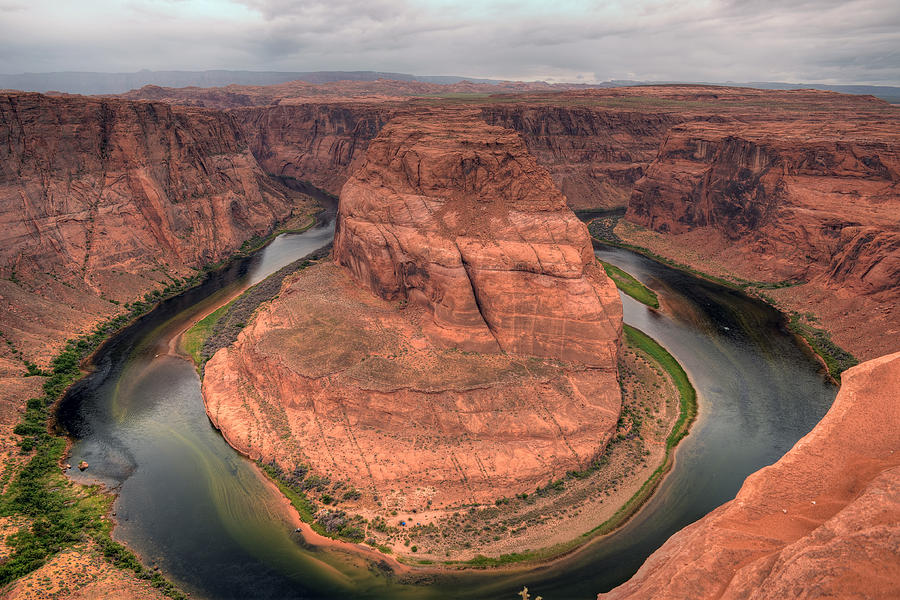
{"x": 814, "y": 41}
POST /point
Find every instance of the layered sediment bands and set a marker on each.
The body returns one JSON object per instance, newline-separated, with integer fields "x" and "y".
{"x": 479, "y": 356}
{"x": 805, "y": 200}
{"x": 453, "y": 215}
{"x": 103, "y": 200}
{"x": 824, "y": 521}
{"x": 318, "y": 143}
{"x": 593, "y": 155}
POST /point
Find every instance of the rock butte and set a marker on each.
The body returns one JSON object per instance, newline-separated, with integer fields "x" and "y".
{"x": 465, "y": 249}
{"x": 453, "y": 215}
{"x": 822, "y": 522}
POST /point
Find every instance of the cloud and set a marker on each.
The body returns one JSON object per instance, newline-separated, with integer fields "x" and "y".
{"x": 831, "y": 41}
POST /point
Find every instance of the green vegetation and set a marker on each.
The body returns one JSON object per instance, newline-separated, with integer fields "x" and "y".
{"x": 686, "y": 392}
{"x": 60, "y": 513}
{"x": 836, "y": 359}
{"x": 335, "y": 524}
{"x": 195, "y": 336}
{"x": 631, "y": 286}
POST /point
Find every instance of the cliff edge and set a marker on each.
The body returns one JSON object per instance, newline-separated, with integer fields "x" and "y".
{"x": 822, "y": 522}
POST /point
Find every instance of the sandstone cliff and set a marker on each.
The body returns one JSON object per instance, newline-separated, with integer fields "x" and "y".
{"x": 454, "y": 215}
{"x": 809, "y": 200}
{"x": 593, "y": 154}
{"x": 318, "y": 143}
{"x": 399, "y": 386}
{"x": 104, "y": 200}
{"x": 822, "y": 522}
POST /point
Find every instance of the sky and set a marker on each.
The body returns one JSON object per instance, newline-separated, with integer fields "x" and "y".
{"x": 811, "y": 41}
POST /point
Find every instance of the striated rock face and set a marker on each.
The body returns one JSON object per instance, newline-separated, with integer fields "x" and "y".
{"x": 464, "y": 249}
{"x": 453, "y": 215}
{"x": 332, "y": 377}
{"x": 822, "y": 522}
{"x": 106, "y": 199}
{"x": 808, "y": 200}
{"x": 318, "y": 143}
{"x": 594, "y": 155}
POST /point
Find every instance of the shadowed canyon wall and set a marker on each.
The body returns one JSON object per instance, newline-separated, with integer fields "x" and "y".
{"x": 806, "y": 199}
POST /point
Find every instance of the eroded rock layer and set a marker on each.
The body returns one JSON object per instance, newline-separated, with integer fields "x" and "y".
{"x": 803, "y": 200}
{"x": 454, "y": 215}
{"x": 318, "y": 143}
{"x": 104, "y": 200}
{"x": 331, "y": 377}
{"x": 822, "y": 522}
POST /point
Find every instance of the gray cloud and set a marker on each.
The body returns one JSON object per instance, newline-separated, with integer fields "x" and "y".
{"x": 855, "y": 41}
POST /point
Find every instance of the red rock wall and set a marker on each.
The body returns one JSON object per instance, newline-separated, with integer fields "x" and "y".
{"x": 822, "y": 522}
{"x": 818, "y": 203}
{"x": 107, "y": 198}
{"x": 594, "y": 155}
{"x": 454, "y": 215}
{"x": 318, "y": 143}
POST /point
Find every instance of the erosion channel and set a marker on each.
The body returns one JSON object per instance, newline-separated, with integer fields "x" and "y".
{"x": 191, "y": 505}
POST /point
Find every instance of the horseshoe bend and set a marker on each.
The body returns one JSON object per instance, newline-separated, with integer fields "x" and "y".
{"x": 471, "y": 375}
{"x": 462, "y": 347}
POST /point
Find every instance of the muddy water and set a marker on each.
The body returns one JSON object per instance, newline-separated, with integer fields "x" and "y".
{"x": 191, "y": 505}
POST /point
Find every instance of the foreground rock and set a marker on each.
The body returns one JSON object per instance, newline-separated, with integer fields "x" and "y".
{"x": 484, "y": 363}
{"x": 822, "y": 522}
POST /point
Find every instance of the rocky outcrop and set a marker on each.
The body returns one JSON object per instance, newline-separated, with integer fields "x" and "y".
{"x": 809, "y": 200}
{"x": 478, "y": 358}
{"x": 331, "y": 378}
{"x": 453, "y": 215}
{"x": 104, "y": 200}
{"x": 822, "y": 522}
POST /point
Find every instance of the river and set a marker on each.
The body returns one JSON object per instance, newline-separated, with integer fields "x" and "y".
{"x": 189, "y": 504}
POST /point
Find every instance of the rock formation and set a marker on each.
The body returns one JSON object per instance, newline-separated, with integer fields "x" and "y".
{"x": 822, "y": 522}
{"x": 807, "y": 199}
{"x": 104, "y": 200}
{"x": 454, "y": 215}
{"x": 593, "y": 154}
{"x": 464, "y": 248}
{"x": 318, "y": 143}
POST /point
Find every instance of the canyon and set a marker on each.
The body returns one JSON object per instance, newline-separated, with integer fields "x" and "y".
{"x": 102, "y": 201}
{"x": 455, "y": 213}
{"x": 463, "y": 347}
{"x": 744, "y": 184}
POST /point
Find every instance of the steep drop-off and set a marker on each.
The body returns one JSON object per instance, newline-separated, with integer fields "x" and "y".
{"x": 822, "y": 522}
{"x": 318, "y": 143}
{"x": 104, "y": 200}
{"x": 804, "y": 201}
{"x": 464, "y": 248}
{"x": 594, "y": 155}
